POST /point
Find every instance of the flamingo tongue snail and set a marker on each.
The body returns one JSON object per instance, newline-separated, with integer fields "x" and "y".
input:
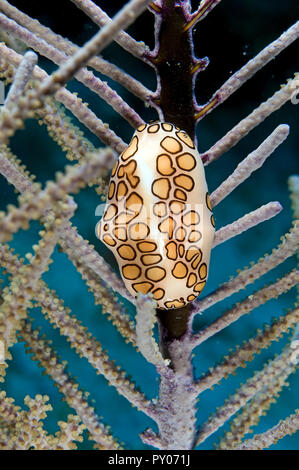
{"x": 158, "y": 218}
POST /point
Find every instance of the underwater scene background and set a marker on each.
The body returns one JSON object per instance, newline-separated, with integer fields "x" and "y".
{"x": 233, "y": 33}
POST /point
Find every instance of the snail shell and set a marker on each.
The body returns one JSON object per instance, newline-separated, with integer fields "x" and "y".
{"x": 158, "y": 218}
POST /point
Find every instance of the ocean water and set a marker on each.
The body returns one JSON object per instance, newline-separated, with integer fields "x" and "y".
{"x": 232, "y": 34}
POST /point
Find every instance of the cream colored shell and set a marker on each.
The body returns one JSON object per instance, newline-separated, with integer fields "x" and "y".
{"x": 158, "y": 220}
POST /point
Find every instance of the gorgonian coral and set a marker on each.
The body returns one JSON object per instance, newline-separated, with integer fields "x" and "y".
{"x": 35, "y": 94}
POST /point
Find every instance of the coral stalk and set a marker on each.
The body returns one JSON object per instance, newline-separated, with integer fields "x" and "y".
{"x": 248, "y": 70}
{"x": 66, "y": 46}
{"x": 287, "y": 248}
{"x": 246, "y": 306}
{"x": 251, "y": 163}
{"x": 246, "y": 222}
{"x": 70, "y": 101}
{"x": 244, "y": 394}
{"x": 83, "y": 75}
{"x": 246, "y": 125}
{"x": 93, "y": 47}
{"x": 98, "y": 16}
{"x": 285, "y": 427}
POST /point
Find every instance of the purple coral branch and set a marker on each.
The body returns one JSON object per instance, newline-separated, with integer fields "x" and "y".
{"x": 247, "y": 276}
{"x": 23, "y": 75}
{"x": 251, "y": 163}
{"x": 248, "y": 70}
{"x": 246, "y": 125}
{"x": 246, "y": 306}
{"x": 203, "y": 10}
{"x": 84, "y": 76}
{"x": 244, "y": 394}
{"x": 174, "y": 410}
{"x": 247, "y": 350}
{"x": 98, "y": 16}
{"x": 69, "y": 48}
{"x": 73, "y": 103}
{"x": 75, "y": 246}
{"x": 246, "y": 222}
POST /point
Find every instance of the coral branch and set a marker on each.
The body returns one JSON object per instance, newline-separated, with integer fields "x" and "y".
{"x": 78, "y": 336}
{"x": 66, "y": 46}
{"x": 244, "y": 394}
{"x": 204, "y": 9}
{"x": 9, "y": 57}
{"x": 87, "y": 346}
{"x": 255, "y": 408}
{"x": 68, "y": 136}
{"x": 152, "y": 439}
{"x": 287, "y": 248}
{"x": 48, "y": 359}
{"x": 69, "y": 431}
{"x": 93, "y": 47}
{"x": 145, "y": 320}
{"x": 248, "y": 70}
{"x": 247, "y": 305}
{"x": 79, "y": 250}
{"x": 285, "y": 427}
{"x": 176, "y": 66}
{"x": 99, "y": 17}
{"x": 16, "y": 298}
{"x": 246, "y": 222}
{"x": 110, "y": 303}
{"x": 251, "y": 163}
{"x": 13, "y": 174}
{"x": 23, "y": 75}
{"x": 25, "y": 428}
{"x": 250, "y": 122}
{"x": 84, "y": 76}
{"x": 34, "y": 205}
{"x": 247, "y": 350}
{"x": 76, "y": 247}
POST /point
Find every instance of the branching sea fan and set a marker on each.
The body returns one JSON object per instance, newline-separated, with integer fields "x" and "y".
{"x": 174, "y": 327}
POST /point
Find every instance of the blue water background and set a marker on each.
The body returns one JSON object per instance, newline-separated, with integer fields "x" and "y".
{"x": 228, "y": 42}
